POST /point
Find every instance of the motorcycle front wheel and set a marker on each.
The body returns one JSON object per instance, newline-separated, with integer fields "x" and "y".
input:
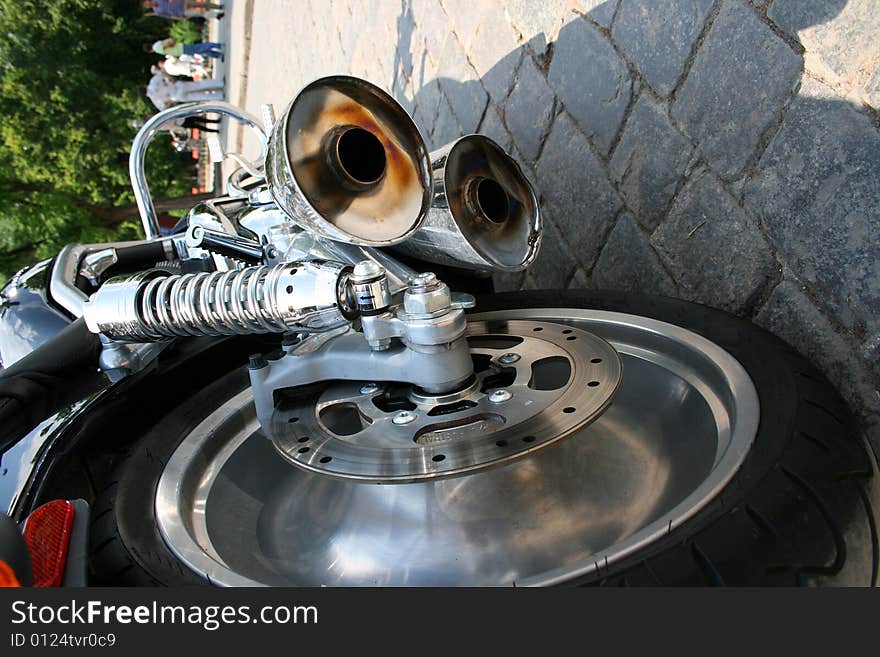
{"x": 725, "y": 458}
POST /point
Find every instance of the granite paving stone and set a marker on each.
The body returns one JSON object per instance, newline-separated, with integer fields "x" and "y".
{"x": 712, "y": 247}
{"x": 529, "y": 109}
{"x": 657, "y": 36}
{"x": 650, "y": 161}
{"x": 817, "y": 193}
{"x": 493, "y": 127}
{"x": 576, "y": 191}
{"x": 591, "y": 80}
{"x": 841, "y": 35}
{"x": 741, "y": 78}
{"x": 628, "y": 262}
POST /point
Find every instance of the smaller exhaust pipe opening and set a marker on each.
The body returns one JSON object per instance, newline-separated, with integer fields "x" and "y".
{"x": 491, "y": 200}
{"x": 361, "y": 156}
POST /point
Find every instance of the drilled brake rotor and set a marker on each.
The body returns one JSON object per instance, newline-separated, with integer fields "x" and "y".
{"x": 535, "y": 383}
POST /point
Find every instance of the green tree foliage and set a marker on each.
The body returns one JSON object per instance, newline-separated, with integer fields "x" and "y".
{"x": 72, "y": 77}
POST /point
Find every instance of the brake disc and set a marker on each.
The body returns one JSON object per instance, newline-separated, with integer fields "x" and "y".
{"x": 535, "y": 383}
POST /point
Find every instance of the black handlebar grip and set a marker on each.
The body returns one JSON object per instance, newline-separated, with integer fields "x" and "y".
{"x": 140, "y": 256}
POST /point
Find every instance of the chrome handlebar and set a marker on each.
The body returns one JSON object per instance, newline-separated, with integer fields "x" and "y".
{"x": 149, "y": 130}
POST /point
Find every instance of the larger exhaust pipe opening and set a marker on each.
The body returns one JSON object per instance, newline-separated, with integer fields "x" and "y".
{"x": 347, "y": 163}
{"x": 360, "y": 156}
{"x": 490, "y": 200}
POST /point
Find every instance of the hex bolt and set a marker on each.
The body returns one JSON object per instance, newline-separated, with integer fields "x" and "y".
{"x": 366, "y": 269}
{"x": 424, "y": 282}
{"x": 369, "y": 389}
{"x": 379, "y": 345}
{"x": 498, "y": 396}
{"x": 404, "y": 417}
{"x": 509, "y": 359}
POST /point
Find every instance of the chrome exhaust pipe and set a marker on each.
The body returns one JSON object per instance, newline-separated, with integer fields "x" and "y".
{"x": 346, "y": 162}
{"x": 484, "y": 214}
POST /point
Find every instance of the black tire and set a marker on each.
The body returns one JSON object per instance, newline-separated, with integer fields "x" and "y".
{"x": 125, "y": 545}
{"x": 800, "y": 511}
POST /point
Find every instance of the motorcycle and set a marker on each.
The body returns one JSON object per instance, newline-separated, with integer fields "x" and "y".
{"x": 309, "y": 382}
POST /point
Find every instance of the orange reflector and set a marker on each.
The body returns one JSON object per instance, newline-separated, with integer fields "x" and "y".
{"x": 47, "y": 534}
{"x": 7, "y": 576}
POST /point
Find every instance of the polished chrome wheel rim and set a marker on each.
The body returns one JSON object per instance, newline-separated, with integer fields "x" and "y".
{"x": 679, "y": 427}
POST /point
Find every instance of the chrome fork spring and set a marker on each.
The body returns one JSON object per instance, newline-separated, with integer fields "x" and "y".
{"x": 234, "y": 302}
{"x": 155, "y": 305}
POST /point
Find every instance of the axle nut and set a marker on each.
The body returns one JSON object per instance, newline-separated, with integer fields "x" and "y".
{"x": 429, "y": 302}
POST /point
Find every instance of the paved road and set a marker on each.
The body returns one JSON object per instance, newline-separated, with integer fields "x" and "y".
{"x": 722, "y": 151}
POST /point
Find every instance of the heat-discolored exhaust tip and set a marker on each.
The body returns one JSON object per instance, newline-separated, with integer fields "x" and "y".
{"x": 346, "y": 162}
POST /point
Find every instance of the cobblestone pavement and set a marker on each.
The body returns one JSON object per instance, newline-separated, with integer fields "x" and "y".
{"x": 722, "y": 151}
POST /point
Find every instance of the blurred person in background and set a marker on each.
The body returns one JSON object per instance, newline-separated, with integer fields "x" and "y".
{"x": 183, "y": 67}
{"x": 182, "y": 9}
{"x": 164, "y": 92}
{"x": 171, "y": 47}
